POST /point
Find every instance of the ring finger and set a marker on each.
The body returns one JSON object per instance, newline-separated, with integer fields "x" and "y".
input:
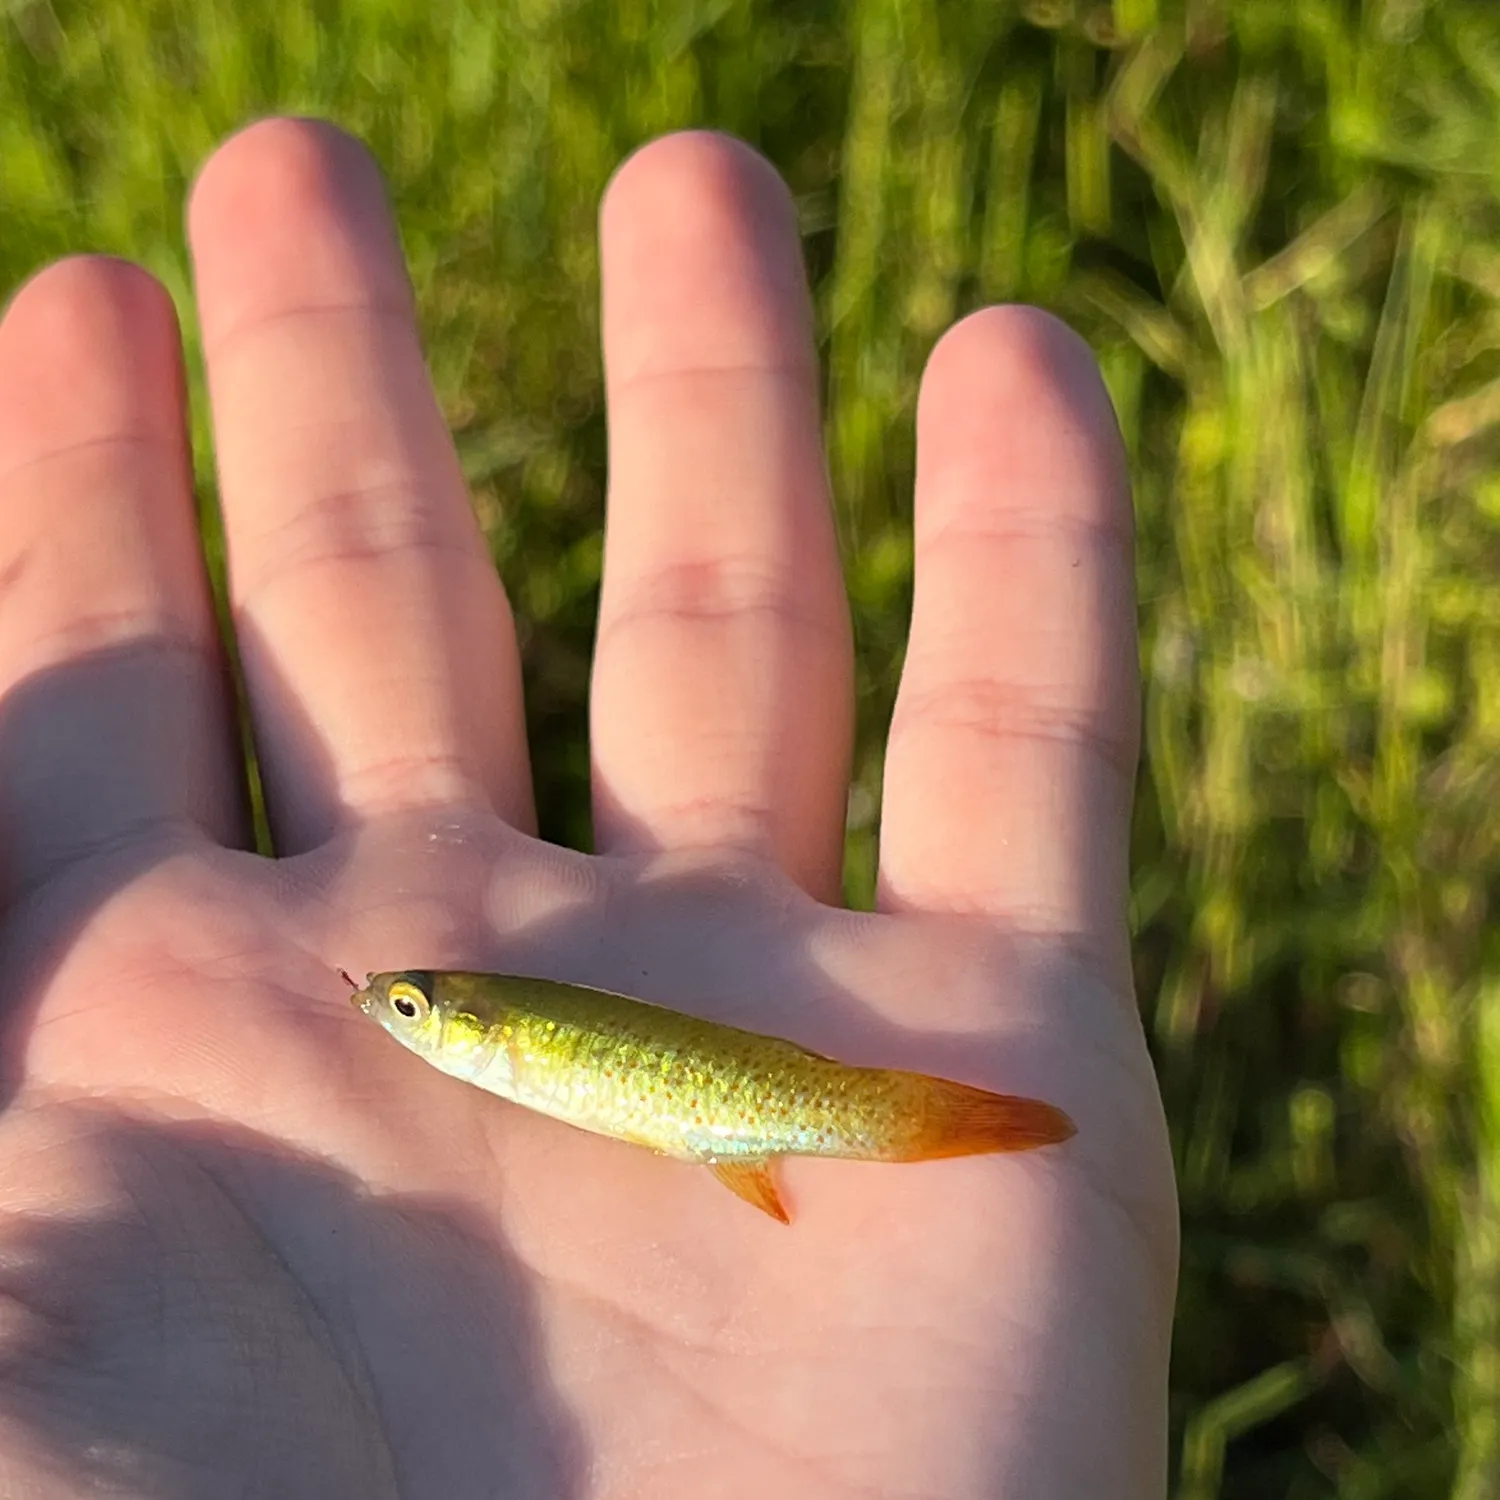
{"x": 722, "y": 696}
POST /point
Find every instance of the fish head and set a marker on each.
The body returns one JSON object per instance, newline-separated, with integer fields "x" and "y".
{"x": 405, "y": 1004}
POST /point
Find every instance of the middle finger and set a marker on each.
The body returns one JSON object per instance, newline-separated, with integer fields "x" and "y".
{"x": 378, "y": 647}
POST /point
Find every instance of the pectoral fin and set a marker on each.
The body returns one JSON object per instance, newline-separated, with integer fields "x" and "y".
{"x": 750, "y": 1178}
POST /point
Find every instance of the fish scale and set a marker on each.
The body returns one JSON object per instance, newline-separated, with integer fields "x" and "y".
{"x": 677, "y": 1100}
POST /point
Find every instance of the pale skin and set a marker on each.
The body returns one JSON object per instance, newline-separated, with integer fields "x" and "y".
{"x": 249, "y": 1246}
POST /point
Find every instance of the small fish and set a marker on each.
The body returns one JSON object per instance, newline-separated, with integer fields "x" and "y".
{"x": 730, "y": 1100}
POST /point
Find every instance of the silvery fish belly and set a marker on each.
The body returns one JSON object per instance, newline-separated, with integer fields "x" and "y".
{"x": 697, "y": 1090}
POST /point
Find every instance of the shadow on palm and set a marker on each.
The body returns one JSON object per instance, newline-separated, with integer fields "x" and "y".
{"x": 230, "y": 1313}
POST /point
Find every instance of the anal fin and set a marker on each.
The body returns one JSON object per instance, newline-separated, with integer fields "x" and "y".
{"x": 750, "y": 1178}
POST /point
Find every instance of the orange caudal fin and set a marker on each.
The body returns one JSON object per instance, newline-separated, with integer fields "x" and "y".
{"x": 961, "y": 1121}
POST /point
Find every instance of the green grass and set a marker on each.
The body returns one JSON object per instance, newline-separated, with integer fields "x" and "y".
{"x": 1277, "y": 221}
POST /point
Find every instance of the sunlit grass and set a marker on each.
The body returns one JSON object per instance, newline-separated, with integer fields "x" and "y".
{"x": 1276, "y": 220}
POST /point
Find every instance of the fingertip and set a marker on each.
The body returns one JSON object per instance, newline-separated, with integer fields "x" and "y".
{"x": 89, "y": 346}
{"x": 700, "y": 250}
{"x": 291, "y": 201}
{"x": 273, "y": 159}
{"x": 1017, "y": 335}
{"x": 79, "y": 283}
{"x": 717, "y": 167}
{"x": 1017, "y": 388}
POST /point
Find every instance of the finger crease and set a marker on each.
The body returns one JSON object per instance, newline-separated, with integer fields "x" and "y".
{"x": 624, "y": 385}
{"x": 248, "y": 328}
{"x": 311, "y": 540}
{"x": 710, "y": 593}
{"x": 394, "y": 780}
{"x": 711, "y": 814}
{"x": 991, "y": 711}
{"x": 1011, "y": 524}
{"x": 104, "y": 443}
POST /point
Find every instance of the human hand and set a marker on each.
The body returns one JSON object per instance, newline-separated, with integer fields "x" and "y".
{"x": 248, "y": 1245}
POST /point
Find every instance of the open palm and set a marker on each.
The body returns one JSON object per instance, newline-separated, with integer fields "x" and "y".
{"x": 250, "y": 1247}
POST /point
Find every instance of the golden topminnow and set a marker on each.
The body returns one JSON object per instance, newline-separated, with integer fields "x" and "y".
{"x": 728, "y": 1099}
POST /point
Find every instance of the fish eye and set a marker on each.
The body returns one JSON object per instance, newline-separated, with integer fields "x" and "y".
{"x": 409, "y": 1000}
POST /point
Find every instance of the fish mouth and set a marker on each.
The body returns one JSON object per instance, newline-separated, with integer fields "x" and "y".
{"x": 360, "y": 997}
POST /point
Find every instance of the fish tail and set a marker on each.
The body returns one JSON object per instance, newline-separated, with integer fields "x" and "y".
{"x": 957, "y": 1120}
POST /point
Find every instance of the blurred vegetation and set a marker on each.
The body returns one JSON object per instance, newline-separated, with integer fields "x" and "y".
{"x": 1277, "y": 221}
